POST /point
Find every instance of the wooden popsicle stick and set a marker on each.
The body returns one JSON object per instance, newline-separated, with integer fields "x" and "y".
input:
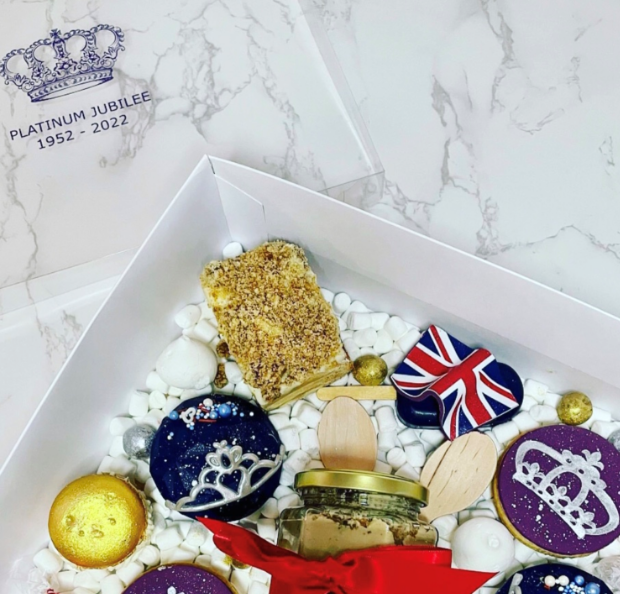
{"x": 457, "y": 473}
{"x": 358, "y": 392}
{"x": 347, "y": 437}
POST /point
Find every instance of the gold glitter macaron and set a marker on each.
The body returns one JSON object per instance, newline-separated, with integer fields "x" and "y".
{"x": 97, "y": 521}
{"x": 574, "y": 408}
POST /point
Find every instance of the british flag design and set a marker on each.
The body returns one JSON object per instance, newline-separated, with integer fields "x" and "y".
{"x": 466, "y": 382}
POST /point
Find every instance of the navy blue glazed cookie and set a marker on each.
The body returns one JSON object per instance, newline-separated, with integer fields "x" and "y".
{"x": 553, "y": 578}
{"x": 217, "y": 457}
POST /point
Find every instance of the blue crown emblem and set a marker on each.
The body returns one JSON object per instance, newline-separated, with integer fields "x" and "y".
{"x": 64, "y": 63}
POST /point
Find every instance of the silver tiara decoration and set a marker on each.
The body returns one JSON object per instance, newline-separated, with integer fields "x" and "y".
{"x": 586, "y": 468}
{"x": 224, "y": 461}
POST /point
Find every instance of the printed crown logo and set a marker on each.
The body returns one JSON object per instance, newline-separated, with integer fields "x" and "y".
{"x": 225, "y": 461}
{"x": 64, "y": 63}
{"x": 586, "y": 469}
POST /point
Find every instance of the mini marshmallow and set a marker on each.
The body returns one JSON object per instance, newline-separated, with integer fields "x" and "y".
{"x": 187, "y": 363}
{"x": 203, "y": 561}
{"x": 154, "y": 418}
{"x": 88, "y": 581}
{"x": 396, "y": 458}
{"x": 525, "y": 422}
{"x": 523, "y": 553}
{"x": 611, "y": 550}
{"x": 379, "y": 320}
{"x": 177, "y": 555}
{"x": 351, "y": 347}
{"x": 365, "y": 338}
{"x": 106, "y": 465}
{"x": 528, "y": 402}
{"x": 138, "y": 404}
{"x": 169, "y": 538}
{"x": 282, "y": 491}
{"x": 205, "y": 331}
{"x": 360, "y": 320}
{"x": 315, "y": 465}
{"x": 279, "y": 421}
{"x": 206, "y": 311}
{"x": 267, "y": 529}
{"x": 232, "y": 250}
{"x": 416, "y": 456}
{"x": 603, "y": 428}
{"x": 315, "y": 401}
{"x": 543, "y": 414}
{"x": 209, "y": 546}
{"x": 551, "y": 399}
{"x": 116, "y": 448}
{"x": 407, "y": 342}
{"x": 233, "y": 373}
{"x": 188, "y": 316}
{"x": 367, "y": 351}
{"x": 157, "y": 399}
{"x": 382, "y": 456}
{"x": 270, "y": 509}
{"x": 258, "y": 588}
{"x": 130, "y": 572}
{"x": 221, "y": 563}
{"x": 393, "y": 358}
{"x": 154, "y": 382}
{"x": 408, "y": 436}
{"x": 384, "y": 343}
{"x": 327, "y": 295}
{"x": 309, "y": 415}
{"x": 112, "y": 585}
{"x": 287, "y": 501}
{"x": 535, "y": 389}
{"x": 149, "y": 555}
{"x": 386, "y": 419}
{"x": 386, "y": 441}
{"x": 343, "y": 380}
{"x": 395, "y": 327}
{"x": 65, "y": 580}
{"x": 445, "y": 544}
{"x": 309, "y": 440}
{"x": 119, "y": 425}
{"x": 341, "y": 303}
{"x": 445, "y": 525}
{"x": 123, "y": 467}
{"x": 196, "y": 535}
{"x": 241, "y": 580}
{"x": 433, "y": 437}
{"x": 171, "y": 404}
{"x": 176, "y": 392}
{"x": 187, "y": 394}
{"x": 298, "y": 424}
{"x": 505, "y": 432}
{"x": 598, "y": 414}
{"x": 355, "y": 307}
{"x": 48, "y": 561}
{"x": 409, "y": 472}
{"x": 297, "y": 461}
{"x": 342, "y": 325}
{"x": 374, "y": 424}
{"x": 243, "y": 391}
{"x": 287, "y": 478}
{"x": 382, "y": 467}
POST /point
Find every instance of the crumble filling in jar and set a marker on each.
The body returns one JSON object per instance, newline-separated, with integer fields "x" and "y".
{"x": 346, "y": 510}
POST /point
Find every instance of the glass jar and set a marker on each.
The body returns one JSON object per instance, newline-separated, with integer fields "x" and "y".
{"x": 346, "y": 510}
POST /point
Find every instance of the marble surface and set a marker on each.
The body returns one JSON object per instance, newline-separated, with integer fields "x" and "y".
{"x": 496, "y": 122}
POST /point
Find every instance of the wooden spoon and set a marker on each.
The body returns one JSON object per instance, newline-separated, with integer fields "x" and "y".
{"x": 457, "y": 473}
{"x": 347, "y": 436}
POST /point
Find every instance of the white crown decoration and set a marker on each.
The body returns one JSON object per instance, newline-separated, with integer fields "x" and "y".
{"x": 586, "y": 468}
{"x": 64, "y": 63}
{"x": 224, "y": 461}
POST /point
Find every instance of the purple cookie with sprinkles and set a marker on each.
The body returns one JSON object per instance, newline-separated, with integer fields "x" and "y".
{"x": 553, "y": 578}
{"x": 179, "y": 579}
{"x": 557, "y": 489}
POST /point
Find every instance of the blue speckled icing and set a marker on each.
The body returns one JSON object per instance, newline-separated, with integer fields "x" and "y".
{"x": 532, "y": 581}
{"x": 216, "y": 432}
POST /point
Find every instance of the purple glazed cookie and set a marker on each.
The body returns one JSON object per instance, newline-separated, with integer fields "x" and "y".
{"x": 557, "y": 490}
{"x": 179, "y": 579}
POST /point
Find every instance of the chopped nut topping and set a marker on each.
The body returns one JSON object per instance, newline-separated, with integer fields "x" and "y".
{"x": 222, "y": 349}
{"x": 220, "y": 377}
{"x": 276, "y": 322}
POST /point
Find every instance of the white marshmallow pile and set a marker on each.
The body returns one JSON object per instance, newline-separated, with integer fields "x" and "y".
{"x": 187, "y": 367}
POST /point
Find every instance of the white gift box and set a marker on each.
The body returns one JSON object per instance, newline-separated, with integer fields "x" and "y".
{"x": 542, "y": 333}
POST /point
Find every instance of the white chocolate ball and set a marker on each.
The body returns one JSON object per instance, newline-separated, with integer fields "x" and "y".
{"x": 187, "y": 364}
{"x": 549, "y": 581}
{"x": 482, "y": 544}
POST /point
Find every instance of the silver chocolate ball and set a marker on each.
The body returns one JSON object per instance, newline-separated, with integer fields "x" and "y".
{"x": 137, "y": 441}
{"x": 614, "y": 439}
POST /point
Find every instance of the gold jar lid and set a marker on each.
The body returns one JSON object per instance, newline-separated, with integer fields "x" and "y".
{"x": 362, "y": 481}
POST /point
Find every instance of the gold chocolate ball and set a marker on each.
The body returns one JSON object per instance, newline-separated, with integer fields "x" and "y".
{"x": 370, "y": 370}
{"x": 574, "y": 408}
{"x": 97, "y": 521}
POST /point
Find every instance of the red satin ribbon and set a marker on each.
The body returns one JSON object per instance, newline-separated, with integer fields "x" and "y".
{"x": 384, "y": 570}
